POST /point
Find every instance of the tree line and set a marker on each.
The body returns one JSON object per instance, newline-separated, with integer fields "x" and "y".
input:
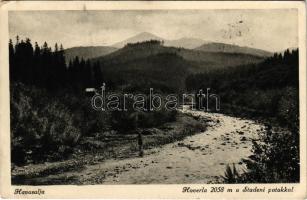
{"x": 46, "y": 68}
{"x": 275, "y": 72}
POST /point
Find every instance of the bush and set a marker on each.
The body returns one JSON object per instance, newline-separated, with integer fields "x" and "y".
{"x": 126, "y": 121}
{"x": 85, "y": 117}
{"x": 273, "y": 159}
{"x": 288, "y": 108}
{"x": 41, "y": 127}
{"x": 231, "y": 175}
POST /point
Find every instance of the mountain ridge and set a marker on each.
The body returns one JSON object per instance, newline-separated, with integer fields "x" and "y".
{"x": 184, "y": 42}
{"x": 87, "y": 52}
{"x": 232, "y": 48}
{"x": 150, "y": 64}
{"x": 203, "y": 59}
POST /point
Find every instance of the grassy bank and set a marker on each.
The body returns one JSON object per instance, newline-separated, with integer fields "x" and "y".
{"x": 94, "y": 150}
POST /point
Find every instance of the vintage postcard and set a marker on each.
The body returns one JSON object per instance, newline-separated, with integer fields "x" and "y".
{"x": 153, "y": 99}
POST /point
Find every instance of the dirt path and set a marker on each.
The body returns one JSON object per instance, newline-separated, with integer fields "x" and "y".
{"x": 201, "y": 158}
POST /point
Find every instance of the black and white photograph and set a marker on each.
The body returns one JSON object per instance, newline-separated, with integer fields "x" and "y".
{"x": 154, "y": 96}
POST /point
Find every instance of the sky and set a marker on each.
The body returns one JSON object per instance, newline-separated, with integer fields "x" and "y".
{"x": 267, "y": 29}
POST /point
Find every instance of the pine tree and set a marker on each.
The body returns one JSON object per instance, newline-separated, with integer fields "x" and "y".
{"x": 88, "y": 74}
{"x": 97, "y": 75}
{"x": 28, "y": 62}
{"x": 45, "y": 68}
{"x": 11, "y": 60}
{"x": 62, "y": 65}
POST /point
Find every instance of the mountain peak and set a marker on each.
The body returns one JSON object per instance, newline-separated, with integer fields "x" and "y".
{"x": 141, "y": 37}
{"x": 145, "y": 34}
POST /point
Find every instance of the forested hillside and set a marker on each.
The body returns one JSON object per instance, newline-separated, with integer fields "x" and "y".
{"x": 257, "y": 86}
{"x": 46, "y": 68}
{"x": 205, "y": 60}
{"x": 230, "y": 48}
{"x": 151, "y": 64}
{"x": 268, "y": 91}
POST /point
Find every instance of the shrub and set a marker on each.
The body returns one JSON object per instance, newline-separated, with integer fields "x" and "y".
{"x": 231, "y": 175}
{"x": 41, "y": 127}
{"x": 85, "y": 117}
{"x": 288, "y": 108}
{"x": 273, "y": 159}
{"x": 126, "y": 121}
